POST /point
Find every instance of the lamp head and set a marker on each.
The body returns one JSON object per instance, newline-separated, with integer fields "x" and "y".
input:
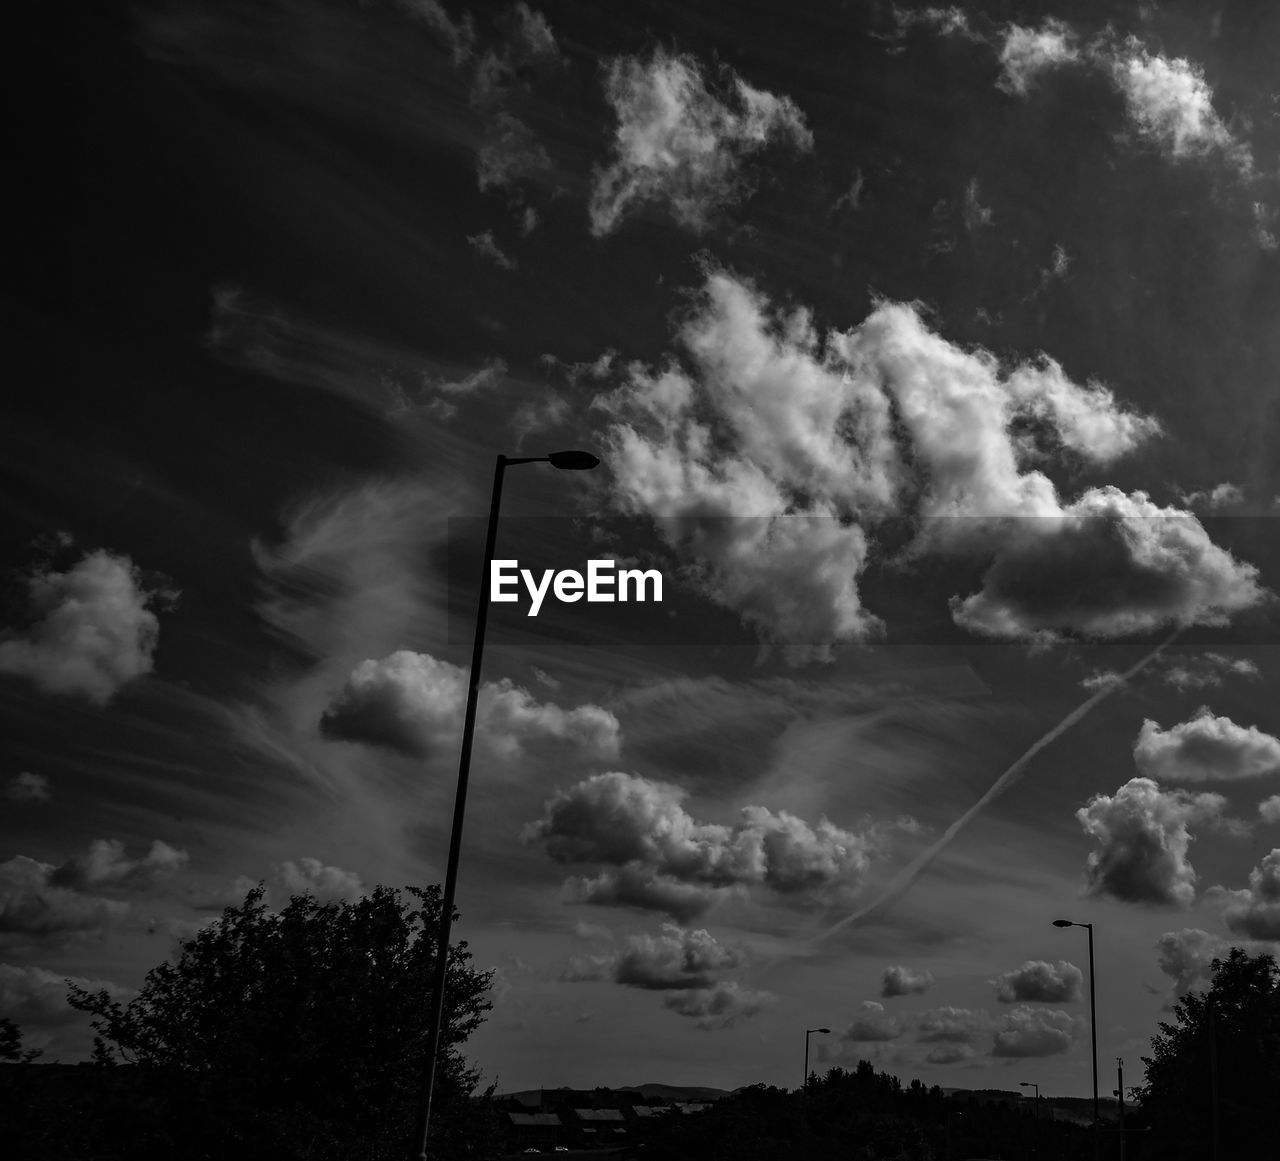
{"x": 1063, "y": 923}
{"x": 573, "y": 461}
{"x": 825, "y": 1031}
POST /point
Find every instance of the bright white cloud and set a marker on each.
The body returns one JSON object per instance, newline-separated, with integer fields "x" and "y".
{"x": 670, "y": 861}
{"x": 679, "y": 144}
{"x": 27, "y": 787}
{"x": 897, "y": 980}
{"x": 768, "y": 459}
{"x": 414, "y": 703}
{"x": 1171, "y": 103}
{"x": 1255, "y": 912}
{"x": 1108, "y": 565}
{"x": 1039, "y": 982}
{"x": 1269, "y": 809}
{"x": 1025, "y": 53}
{"x": 1143, "y": 839}
{"x": 92, "y": 629}
{"x": 1027, "y": 1032}
{"x": 1206, "y": 748}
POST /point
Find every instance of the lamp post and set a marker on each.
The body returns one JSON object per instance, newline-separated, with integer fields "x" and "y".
{"x": 1032, "y": 1084}
{"x": 566, "y": 461}
{"x": 807, "y": 1033}
{"x": 949, "y": 1118}
{"x": 1093, "y": 1026}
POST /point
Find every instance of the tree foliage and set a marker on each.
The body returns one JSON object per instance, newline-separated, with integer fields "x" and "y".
{"x": 11, "y": 1051}
{"x": 1241, "y": 1012}
{"x": 307, "y": 1027}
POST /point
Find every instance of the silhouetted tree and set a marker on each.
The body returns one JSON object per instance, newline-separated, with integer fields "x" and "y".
{"x": 306, "y": 1027}
{"x": 11, "y": 1044}
{"x": 1176, "y": 1099}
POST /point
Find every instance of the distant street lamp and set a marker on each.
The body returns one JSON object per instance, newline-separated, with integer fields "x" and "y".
{"x": 807, "y": 1033}
{"x": 1032, "y": 1084}
{"x": 1093, "y": 1029}
{"x": 573, "y": 461}
{"x": 949, "y": 1117}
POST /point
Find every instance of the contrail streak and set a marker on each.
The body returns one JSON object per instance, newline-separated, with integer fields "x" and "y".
{"x": 910, "y": 873}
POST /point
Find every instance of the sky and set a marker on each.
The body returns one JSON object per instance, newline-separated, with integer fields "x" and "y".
{"x": 930, "y": 354}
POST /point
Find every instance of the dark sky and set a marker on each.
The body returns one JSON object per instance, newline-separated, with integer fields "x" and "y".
{"x": 931, "y": 354}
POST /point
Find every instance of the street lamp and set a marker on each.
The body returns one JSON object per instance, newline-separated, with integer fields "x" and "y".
{"x": 1032, "y": 1084}
{"x": 807, "y": 1032}
{"x": 1093, "y": 1026}
{"x": 573, "y": 461}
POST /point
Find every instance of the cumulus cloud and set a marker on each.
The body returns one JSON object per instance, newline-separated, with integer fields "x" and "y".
{"x": 641, "y": 826}
{"x": 1039, "y": 982}
{"x": 31, "y": 904}
{"x": 949, "y": 1025}
{"x": 1025, "y": 53}
{"x": 312, "y": 877}
{"x": 896, "y": 980}
{"x": 1108, "y": 565}
{"x": 1187, "y": 956}
{"x": 1209, "y": 669}
{"x": 872, "y": 1024}
{"x": 1216, "y": 498}
{"x": 106, "y": 865}
{"x": 414, "y": 703}
{"x": 1255, "y": 912}
{"x": 769, "y": 458}
{"x": 1269, "y": 809}
{"x": 27, "y": 787}
{"x": 677, "y": 958}
{"x": 1171, "y": 103}
{"x": 1028, "y": 1032}
{"x": 680, "y": 144}
{"x": 643, "y": 889}
{"x": 37, "y": 997}
{"x": 1143, "y": 838}
{"x": 92, "y": 628}
{"x": 1205, "y": 748}
{"x": 720, "y": 1005}
{"x": 691, "y": 963}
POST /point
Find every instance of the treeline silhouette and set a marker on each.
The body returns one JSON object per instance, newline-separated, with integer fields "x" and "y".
{"x": 866, "y": 1115}
{"x": 299, "y": 1035}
